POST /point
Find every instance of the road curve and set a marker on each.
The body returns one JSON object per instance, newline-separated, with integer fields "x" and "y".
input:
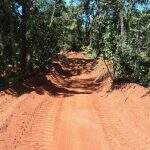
{"x": 102, "y": 120}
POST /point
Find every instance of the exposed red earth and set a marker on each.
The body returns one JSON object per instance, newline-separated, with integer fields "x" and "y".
{"x": 67, "y": 110}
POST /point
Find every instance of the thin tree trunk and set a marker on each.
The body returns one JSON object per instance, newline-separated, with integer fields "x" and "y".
{"x": 122, "y": 24}
{"x": 111, "y": 75}
{"x": 12, "y": 27}
{"x": 90, "y": 33}
{"x": 52, "y": 17}
{"x": 24, "y": 48}
{"x": 9, "y": 43}
{"x": 109, "y": 72}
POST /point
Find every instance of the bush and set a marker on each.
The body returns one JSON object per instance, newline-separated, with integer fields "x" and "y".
{"x": 128, "y": 64}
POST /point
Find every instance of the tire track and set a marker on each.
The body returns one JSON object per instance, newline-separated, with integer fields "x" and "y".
{"x": 120, "y": 126}
{"x": 25, "y": 123}
{"x": 43, "y": 129}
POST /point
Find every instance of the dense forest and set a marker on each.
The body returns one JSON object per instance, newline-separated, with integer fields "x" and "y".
{"x": 33, "y": 32}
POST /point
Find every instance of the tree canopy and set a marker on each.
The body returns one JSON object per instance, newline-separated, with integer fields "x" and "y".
{"x": 33, "y": 32}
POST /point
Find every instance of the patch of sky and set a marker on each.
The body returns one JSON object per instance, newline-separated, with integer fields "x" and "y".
{"x": 143, "y": 7}
{"x": 18, "y": 9}
{"x": 72, "y": 2}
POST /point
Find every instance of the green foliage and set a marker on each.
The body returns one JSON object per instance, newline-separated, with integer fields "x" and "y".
{"x": 44, "y": 40}
{"x": 30, "y": 39}
{"x": 89, "y": 50}
{"x": 114, "y": 30}
{"x": 73, "y": 29}
{"x": 126, "y": 41}
{"x": 128, "y": 64}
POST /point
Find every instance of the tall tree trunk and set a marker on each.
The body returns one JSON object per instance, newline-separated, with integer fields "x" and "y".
{"x": 90, "y": 36}
{"x": 53, "y": 13}
{"x": 24, "y": 47}
{"x": 8, "y": 30}
{"x": 89, "y": 30}
{"x": 12, "y": 28}
{"x": 7, "y": 38}
{"x": 122, "y": 24}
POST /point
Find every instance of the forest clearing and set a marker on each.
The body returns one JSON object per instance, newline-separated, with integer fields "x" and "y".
{"x": 74, "y": 74}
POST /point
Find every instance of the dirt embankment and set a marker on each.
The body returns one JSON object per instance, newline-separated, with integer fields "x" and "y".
{"x": 66, "y": 110}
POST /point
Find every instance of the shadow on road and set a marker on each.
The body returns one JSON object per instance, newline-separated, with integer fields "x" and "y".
{"x": 62, "y": 67}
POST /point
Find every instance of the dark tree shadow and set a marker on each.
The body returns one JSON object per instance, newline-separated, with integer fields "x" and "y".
{"x": 75, "y": 66}
{"x": 85, "y": 84}
{"x": 62, "y": 67}
{"x": 146, "y": 94}
{"x": 119, "y": 83}
{"x": 40, "y": 86}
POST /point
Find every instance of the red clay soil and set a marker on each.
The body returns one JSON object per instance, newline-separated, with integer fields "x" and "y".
{"x": 75, "y": 113}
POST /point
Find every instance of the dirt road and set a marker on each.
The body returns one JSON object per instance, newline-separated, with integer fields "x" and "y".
{"x": 81, "y": 115}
